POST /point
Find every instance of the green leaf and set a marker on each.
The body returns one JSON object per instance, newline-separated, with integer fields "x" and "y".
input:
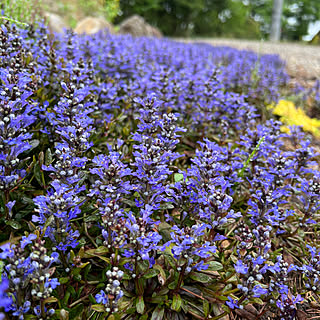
{"x": 140, "y": 305}
{"x": 66, "y": 297}
{"x": 76, "y": 271}
{"x": 41, "y": 159}
{"x": 83, "y": 178}
{"x": 143, "y": 265}
{"x": 91, "y": 218}
{"x": 37, "y": 173}
{"x": 28, "y": 59}
{"x": 83, "y": 265}
{"x": 97, "y": 253}
{"x": 33, "y": 144}
{"x": 257, "y": 300}
{"x": 158, "y": 313}
{"x": 77, "y": 277}
{"x": 101, "y": 250}
{"x": 76, "y": 312}
{"x": 169, "y": 258}
{"x": 164, "y": 230}
{"x": 232, "y": 279}
{"x": 98, "y": 308}
{"x": 162, "y": 275}
{"x": 166, "y": 206}
{"x": 176, "y": 302}
{"x": 216, "y": 308}
{"x": 222, "y": 298}
{"x": 103, "y": 258}
{"x": 131, "y": 310}
{"x": 158, "y": 299}
{"x": 25, "y": 200}
{"x": 29, "y": 317}
{"x": 51, "y": 300}
{"x": 224, "y": 307}
{"x": 215, "y": 266}
{"x": 151, "y": 273}
{"x": 206, "y": 307}
{"x": 163, "y": 291}
{"x": 14, "y": 224}
{"x": 251, "y": 156}
{"x": 184, "y": 307}
{"x": 200, "y": 277}
{"x": 194, "y": 310}
{"x": 72, "y": 291}
{"x": 227, "y": 287}
{"x": 178, "y": 177}
{"x": 48, "y": 157}
{"x": 48, "y": 222}
{"x": 72, "y": 255}
{"x": 126, "y": 277}
{"x": 64, "y": 280}
{"x": 126, "y": 131}
{"x": 172, "y": 285}
{"x": 92, "y": 299}
{"x": 129, "y": 202}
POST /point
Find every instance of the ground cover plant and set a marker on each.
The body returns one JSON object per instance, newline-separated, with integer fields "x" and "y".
{"x": 144, "y": 179}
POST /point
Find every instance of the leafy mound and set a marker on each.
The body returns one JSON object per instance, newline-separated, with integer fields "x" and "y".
{"x": 138, "y": 181}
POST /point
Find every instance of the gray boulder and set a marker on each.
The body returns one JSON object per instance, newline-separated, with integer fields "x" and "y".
{"x": 91, "y": 25}
{"x": 55, "y": 22}
{"x": 138, "y": 27}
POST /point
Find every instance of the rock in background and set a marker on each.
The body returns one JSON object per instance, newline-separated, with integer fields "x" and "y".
{"x": 91, "y": 25}
{"x": 138, "y": 27}
{"x": 55, "y": 22}
{"x": 64, "y": 14}
{"x": 73, "y": 11}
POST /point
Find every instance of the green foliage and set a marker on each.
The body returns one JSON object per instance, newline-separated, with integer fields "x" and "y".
{"x": 238, "y": 23}
{"x": 199, "y": 17}
{"x": 295, "y": 18}
{"x": 107, "y": 8}
{"x": 249, "y": 19}
{"x": 111, "y": 9}
{"x": 21, "y": 11}
{"x": 300, "y": 13}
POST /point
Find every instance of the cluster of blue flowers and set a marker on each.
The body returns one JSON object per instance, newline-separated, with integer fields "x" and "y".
{"x": 138, "y": 180}
{"x": 27, "y": 277}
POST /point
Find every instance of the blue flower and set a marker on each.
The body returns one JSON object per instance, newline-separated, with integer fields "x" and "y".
{"x": 5, "y": 300}
{"x": 27, "y": 240}
{"x": 241, "y": 268}
{"x": 258, "y": 291}
{"x": 52, "y": 283}
{"x": 232, "y": 303}
{"x": 10, "y": 205}
{"x": 22, "y": 310}
{"x": 102, "y": 297}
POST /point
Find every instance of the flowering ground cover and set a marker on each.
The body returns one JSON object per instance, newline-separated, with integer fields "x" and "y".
{"x": 146, "y": 179}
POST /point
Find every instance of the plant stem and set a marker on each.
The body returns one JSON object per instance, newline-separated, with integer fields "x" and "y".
{"x": 87, "y": 233}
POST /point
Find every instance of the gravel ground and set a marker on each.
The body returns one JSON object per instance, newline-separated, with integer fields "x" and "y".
{"x": 303, "y": 61}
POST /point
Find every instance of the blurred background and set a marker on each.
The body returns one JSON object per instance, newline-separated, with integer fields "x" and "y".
{"x": 298, "y": 20}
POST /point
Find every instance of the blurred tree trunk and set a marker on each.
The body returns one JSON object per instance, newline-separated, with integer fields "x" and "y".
{"x": 275, "y": 32}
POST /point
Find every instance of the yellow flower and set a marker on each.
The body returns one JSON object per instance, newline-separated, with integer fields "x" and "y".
{"x": 290, "y": 115}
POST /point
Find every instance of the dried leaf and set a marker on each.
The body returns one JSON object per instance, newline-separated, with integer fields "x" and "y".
{"x": 217, "y": 310}
{"x": 249, "y": 312}
{"x": 301, "y": 315}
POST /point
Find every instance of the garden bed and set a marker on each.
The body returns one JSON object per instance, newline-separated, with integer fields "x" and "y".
{"x": 148, "y": 179}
